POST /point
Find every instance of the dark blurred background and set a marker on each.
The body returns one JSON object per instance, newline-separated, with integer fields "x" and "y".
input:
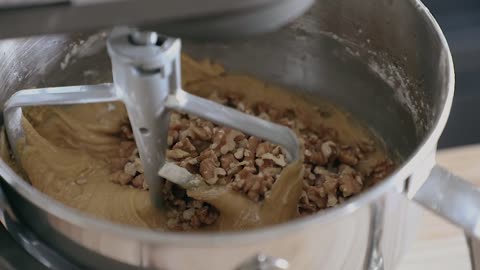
{"x": 460, "y": 21}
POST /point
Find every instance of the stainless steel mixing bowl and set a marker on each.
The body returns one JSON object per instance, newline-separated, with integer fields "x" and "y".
{"x": 385, "y": 61}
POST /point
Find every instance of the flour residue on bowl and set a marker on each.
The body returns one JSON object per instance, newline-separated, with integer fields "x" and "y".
{"x": 85, "y": 47}
{"x": 380, "y": 63}
{"x": 394, "y": 75}
{"x": 405, "y": 90}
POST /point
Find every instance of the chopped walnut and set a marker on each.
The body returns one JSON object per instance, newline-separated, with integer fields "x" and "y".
{"x": 328, "y": 149}
{"x": 210, "y": 170}
{"x": 239, "y": 153}
{"x": 191, "y": 217}
{"x": 381, "y": 170}
{"x": 130, "y": 169}
{"x": 127, "y": 132}
{"x": 253, "y": 185}
{"x": 185, "y": 145}
{"x": 207, "y": 167}
{"x": 202, "y": 133}
{"x": 367, "y": 146}
{"x": 230, "y": 143}
{"x": 347, "y": 156}
{"x": 228, "y": 161}
{"x": 278, "y": 160}
{"x": 263, "y": 148}
{"x": 350, "y": 182}
{"x": 191, "y": 164}
{"x": 315, "y": 157}
{"x": 219, "y": 140}
{"x": 332, "y": 200}
{"x": 177, "y": 154}
{"x": 313, "y": 198}
{"x": 204, "y": 216}
{"x": 334, "y": 171}
{"x": 138, "y": 181}
{"x": 121, "y": 178}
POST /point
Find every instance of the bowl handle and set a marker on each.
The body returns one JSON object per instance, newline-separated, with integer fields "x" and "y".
{"x": 456, "y": 200}
{"x": 474, "y": 248}
{"x": 263, "y": 262}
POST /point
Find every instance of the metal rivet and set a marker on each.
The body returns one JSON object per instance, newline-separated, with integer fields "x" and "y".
{"x": 144, "y": 38}
{"x": 263, "y": 262}
{"x": 149, "y": 71}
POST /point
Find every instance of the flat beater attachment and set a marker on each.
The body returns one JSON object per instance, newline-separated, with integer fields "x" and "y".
{"x": 147, "y": 78}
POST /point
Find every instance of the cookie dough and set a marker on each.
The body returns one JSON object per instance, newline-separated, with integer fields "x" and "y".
{"x": 78, "y": 155}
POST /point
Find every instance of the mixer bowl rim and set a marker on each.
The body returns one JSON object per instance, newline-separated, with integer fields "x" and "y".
{"x": 77, "y": 218}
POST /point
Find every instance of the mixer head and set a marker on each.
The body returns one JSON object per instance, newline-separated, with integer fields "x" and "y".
{"x": 179, "y": 18}
{"x": 147, "y": 79}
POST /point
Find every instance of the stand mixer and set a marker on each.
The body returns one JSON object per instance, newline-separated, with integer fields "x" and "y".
{"x": 387, "y": 61}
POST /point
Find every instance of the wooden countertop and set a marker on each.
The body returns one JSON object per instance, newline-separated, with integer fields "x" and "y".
{"x": 440, "y": 245}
